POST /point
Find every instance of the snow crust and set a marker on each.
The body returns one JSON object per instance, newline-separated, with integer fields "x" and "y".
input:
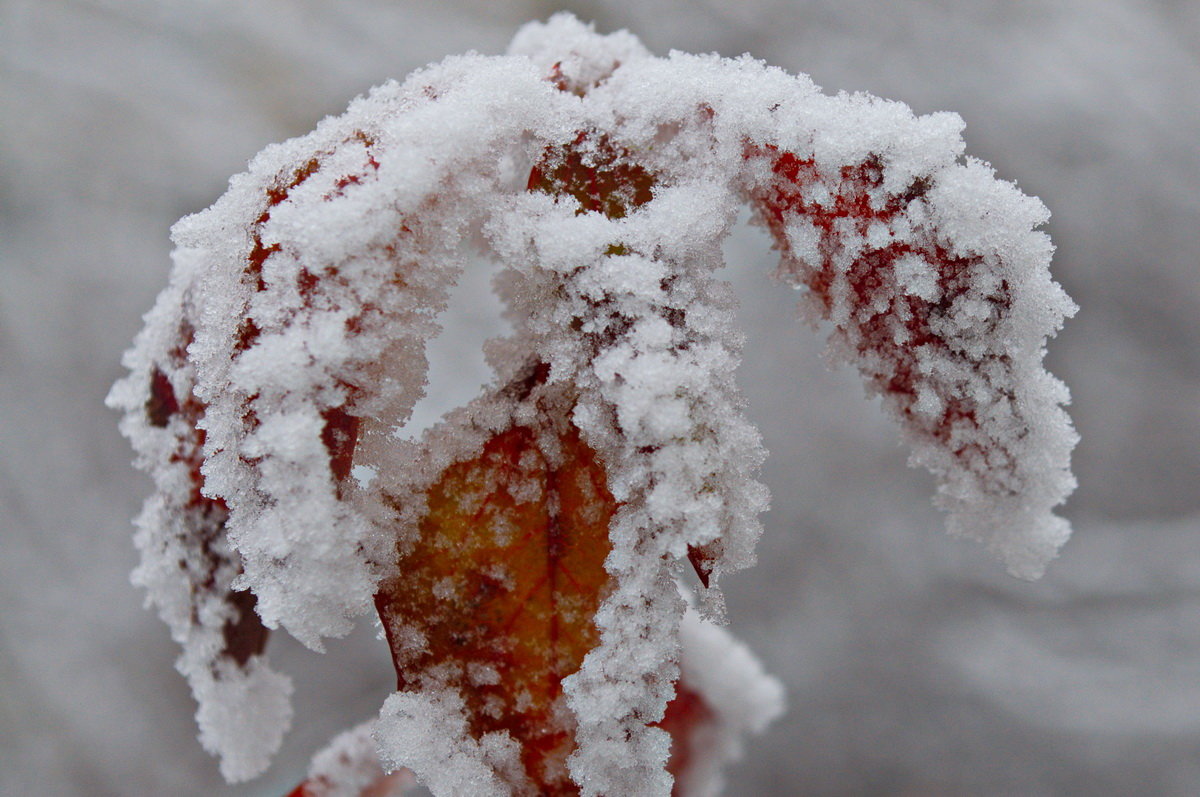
{"x": 292, "y": 336}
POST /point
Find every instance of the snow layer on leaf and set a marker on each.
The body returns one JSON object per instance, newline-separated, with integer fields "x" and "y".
{"x": 242, "y": 717}
{"x": 573, "y": 54}
{"x": 603, "y": 180}
{"x": 940, "y": 294}
{"x": 349, "y": 767}
{"x": 187, "y": 565}
{"x": 741, "y": 697}
{"x": 428, "y": 732}
{"x": 722, "y": 697}
{"x": 318, "y": 315}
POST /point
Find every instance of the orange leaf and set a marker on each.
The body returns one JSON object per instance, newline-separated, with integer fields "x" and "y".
{"x": 502, "y": 586}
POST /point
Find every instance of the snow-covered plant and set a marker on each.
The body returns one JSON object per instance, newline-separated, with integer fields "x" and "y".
{"x": 524, "y": 554}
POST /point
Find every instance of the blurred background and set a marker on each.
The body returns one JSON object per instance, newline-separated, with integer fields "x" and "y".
{"x": 913, "y": 665}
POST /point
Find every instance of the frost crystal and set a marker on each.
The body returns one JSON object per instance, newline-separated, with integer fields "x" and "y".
{"x": 523, "y": 555}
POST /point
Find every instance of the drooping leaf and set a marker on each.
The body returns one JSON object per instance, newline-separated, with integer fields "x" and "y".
{"x": 945, "y": 312}
{"x": 313, "y": 285}
{"x": 187, "y": 564}
{"x": 497, "y": 596}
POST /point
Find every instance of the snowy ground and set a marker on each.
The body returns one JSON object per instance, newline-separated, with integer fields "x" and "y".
{"x": 914, "y": 666}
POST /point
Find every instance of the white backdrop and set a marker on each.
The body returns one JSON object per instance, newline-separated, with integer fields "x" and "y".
{"x": 914, "y": 666}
